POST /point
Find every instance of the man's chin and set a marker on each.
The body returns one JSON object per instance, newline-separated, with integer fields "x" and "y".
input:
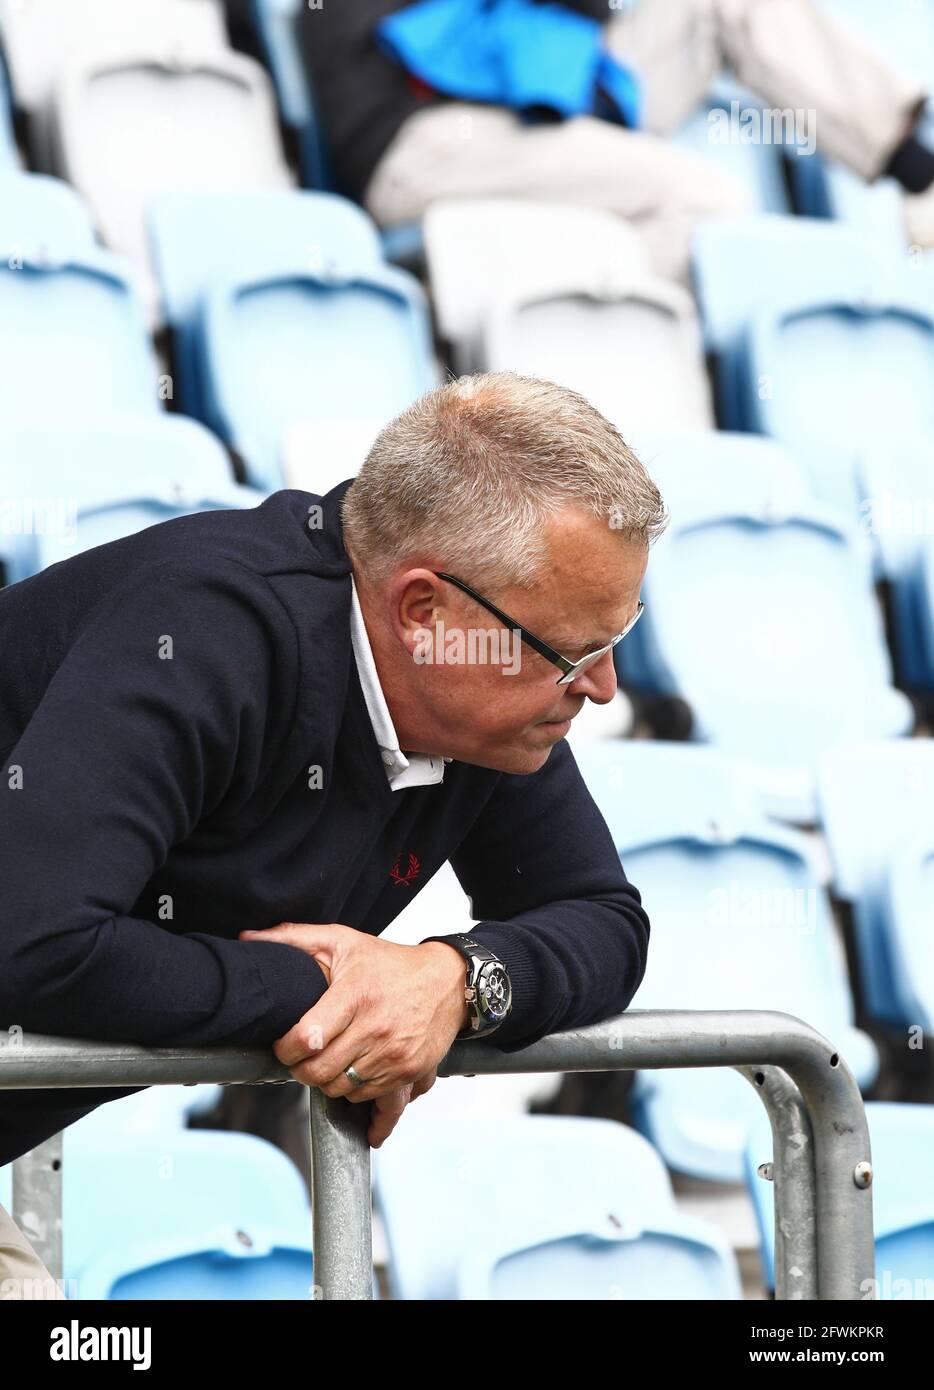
{"x": 519, "y": 760}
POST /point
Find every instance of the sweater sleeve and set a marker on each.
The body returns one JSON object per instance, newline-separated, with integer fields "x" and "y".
{"x": 544, "y": 876}
{"x": 162, "y": 710}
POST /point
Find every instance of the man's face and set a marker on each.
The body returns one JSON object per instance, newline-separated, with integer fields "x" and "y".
{"x": 489, "y": 699}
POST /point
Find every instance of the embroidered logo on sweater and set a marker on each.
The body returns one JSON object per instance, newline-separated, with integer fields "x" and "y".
{"x": 405, "y": 879}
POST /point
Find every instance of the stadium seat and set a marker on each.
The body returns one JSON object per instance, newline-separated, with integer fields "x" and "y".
{"x": 184, "y": 1214}
{"x": 163, "y": 117}
{"x": 874, "y": 799}
{"x": 44, "y": 37}
{"x": 40, "y": 37}
{"x": 478, "y": 248}
{"x": 630, "y": 344}
{"x": 832, "y": 375}
{"x": 762, "y": 616}
{"x": 564, "y": 293}
{"x": 572, "y": 1208}
{"x": 142, "y": 504}
{"x": 309, "y": 344}
{"x": 691, "y": 465}
{"x": 75, "y": 343}
{"x": 741, "y": 920}
{"x": 198, "y": 236}
{"x": 67, "y": 488}
{"x": 735, "y": 257}
{"x": 171, "y": 1213}
{"x": 902, "y": 1141}
{"x": 44, "y": 217}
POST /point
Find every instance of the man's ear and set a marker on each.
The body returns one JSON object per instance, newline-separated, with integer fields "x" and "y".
{"x": 416, "y": 605}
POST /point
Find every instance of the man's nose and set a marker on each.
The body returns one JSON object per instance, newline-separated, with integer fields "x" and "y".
{"x": 598, "y": 682}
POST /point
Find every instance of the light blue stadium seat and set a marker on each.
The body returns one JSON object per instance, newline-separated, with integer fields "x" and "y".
{"x": 901, "y": 1137}
{"x": 688, "y": 465}
{"x": 740, "y": 920}
{"x": 138, "y": 507}
{"x": 571, "y": 1208}
{"x": 738, "y": 261}
{"x": 744, "y": 265}
{"x": 874, "y": 799}
{"x": 762, "y": 617}
{"x": 74, "y": 344}
{"x": 198, "y": 237}
{"x": 43, "y": 217}
{"x": 68, "y": 488}
{"x": 298, "y": 345}
{"x": 182, "y": 1214}
{"x": 692, "y": 465}
{"x": 832, "y": 375}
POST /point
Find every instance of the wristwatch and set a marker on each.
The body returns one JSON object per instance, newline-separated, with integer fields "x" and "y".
{"x": 487, "y": 989}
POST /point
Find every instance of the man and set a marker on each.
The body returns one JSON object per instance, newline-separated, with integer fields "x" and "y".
{"x": 235, "y": 745}
{"x": 397, "y": 144}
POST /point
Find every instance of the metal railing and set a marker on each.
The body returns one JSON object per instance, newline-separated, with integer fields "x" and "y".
{"x": 821, "y": 1166}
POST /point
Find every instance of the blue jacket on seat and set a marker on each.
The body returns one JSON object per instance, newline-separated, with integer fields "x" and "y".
{"x": 512, "y": 53}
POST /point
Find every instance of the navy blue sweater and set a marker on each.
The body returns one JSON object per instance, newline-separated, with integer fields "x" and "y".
{"x": 165, "y": 703}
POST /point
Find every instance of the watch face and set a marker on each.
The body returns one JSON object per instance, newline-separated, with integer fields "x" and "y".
{"x": 494, "y": 992}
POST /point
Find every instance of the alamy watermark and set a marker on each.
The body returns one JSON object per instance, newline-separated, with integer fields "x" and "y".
{"x": 891, "y": 514}
{"x": 39, "y": 516}
{"x": 780, "y": 909}
{"x": 472, "y": 646}
{"x": 795, "y": 127}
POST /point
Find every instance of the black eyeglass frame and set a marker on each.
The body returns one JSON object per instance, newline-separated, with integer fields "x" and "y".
{"x": 571, "y": 669}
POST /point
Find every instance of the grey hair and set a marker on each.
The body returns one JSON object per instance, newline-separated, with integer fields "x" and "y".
{"x": 470, "y": 473}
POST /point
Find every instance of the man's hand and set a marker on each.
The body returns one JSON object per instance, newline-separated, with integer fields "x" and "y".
{"x": 392, "y": 1011}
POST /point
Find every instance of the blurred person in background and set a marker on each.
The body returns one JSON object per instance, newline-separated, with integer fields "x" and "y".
{"x": 425, "y": 99}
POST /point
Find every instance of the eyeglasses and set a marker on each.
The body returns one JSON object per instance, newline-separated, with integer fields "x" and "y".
{"x": 571, "y": 669}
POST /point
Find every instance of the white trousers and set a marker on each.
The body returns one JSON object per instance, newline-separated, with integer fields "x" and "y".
{"x": 22, "y": 1274}
{"x": 789, "y": 52}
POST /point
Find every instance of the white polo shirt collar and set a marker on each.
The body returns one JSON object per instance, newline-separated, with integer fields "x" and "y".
{"x": 414, "y": 770}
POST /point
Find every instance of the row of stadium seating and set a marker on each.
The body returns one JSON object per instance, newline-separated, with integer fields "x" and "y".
{"x": 303, "y": 350}
{"x": 616, "y": 1232}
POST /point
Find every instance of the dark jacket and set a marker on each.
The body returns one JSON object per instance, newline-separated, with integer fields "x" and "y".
{"x": 165, "y": 703}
